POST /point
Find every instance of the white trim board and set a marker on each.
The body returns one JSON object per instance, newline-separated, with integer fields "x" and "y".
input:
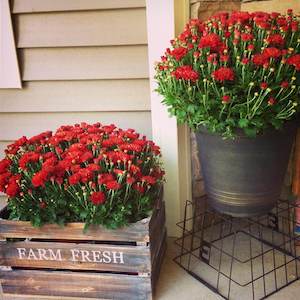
{"x": 165, "y": 132}
{"x": 9, "y": 68}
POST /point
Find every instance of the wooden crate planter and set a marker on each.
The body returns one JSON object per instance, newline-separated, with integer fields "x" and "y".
{"x": 64, "y": 262}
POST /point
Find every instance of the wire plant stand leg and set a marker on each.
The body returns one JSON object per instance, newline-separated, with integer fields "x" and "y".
{"x": 240, "y": 258}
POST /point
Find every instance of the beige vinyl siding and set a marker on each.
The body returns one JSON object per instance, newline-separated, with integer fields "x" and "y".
{"x": 80, "y": 61}
{"x": 34, "y": 123}
{"x": 51, "y": 96}
{"x": 85, "y": 28}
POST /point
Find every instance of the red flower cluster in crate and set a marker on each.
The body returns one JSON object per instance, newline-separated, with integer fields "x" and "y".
{"x": 91, "y": 173}
{"x": 248, "y": 58}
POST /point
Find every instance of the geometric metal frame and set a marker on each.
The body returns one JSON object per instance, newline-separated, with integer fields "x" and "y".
{"x": 253, "y": 257}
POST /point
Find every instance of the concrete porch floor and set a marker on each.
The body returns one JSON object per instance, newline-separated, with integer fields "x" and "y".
{"x": 175, "y": 283}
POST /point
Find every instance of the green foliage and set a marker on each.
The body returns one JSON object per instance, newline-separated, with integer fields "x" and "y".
{"x": 257, "y": 96}
{"x": 102, "y": 176}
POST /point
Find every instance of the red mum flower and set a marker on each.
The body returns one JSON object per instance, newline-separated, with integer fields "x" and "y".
{"x": 74, "y": 179}
{"x": 98, "y": 198}
{"x": 246, "y": 37}
{"x": 118, "y": 155}
{"x": 104, "y": 178}
{"x": 211, "y": 41}
{"x": 251, "y": 47}
{"x": 179, "y": 53}
{"x": 223, "y": 74}
{"x": 260, "y": 59}
{"x": 149, "y": 179}
{"x": 271, "y": 101}
{"x": 134, "y": 169}
{"x": 4, "y": 177}
{"x": 196, "y": 54}
{"x": 39, "y": 178}
{"x": 86, "y": 156}
{"x": 224, "y": 58}
{"x": 130, "y": 180}
{"x": 276, "y": 40}
{"x": 294, "y": 61}
{"x": 240, "y": 17}
{"x": 50, "y": 162}
{"x": 186, "y": 73}
{"x": 28, "y": 157}
{"x": 119, "y": 171}
{"x": 225, "y": 99}
{"x": 275, "y": 15}
{"x": 113, "y": 185}
{"x": 93, "y": 167}
{"x": 262, "y": 24}
{"x": 245, "y": 61}
{"x": 295, "y": 26}
{"x": 131, "y": 147}
{"x": 85, "y": 175}
{"x": 4, "y": 164}
{"x": 264, "y": 85}
{"x": 272, "y": 52}
{"x": 13, "y": 189}
{"x": 227, "y": 34}
{"x": 112, "y": 141}
{"x": 138, "y": 187}
{"x": 284, "y": 84}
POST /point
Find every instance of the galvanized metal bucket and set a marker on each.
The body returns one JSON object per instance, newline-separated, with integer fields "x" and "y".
{"x": 243, "y": 177}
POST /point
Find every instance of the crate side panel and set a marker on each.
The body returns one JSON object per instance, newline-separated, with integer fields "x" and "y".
{"x": 157, "y": 262}
{"x": 73, "y": 284}
{"x": 156, "y": 231}
{"x": 72, "y": 256}
{"x": 135, "y": 232}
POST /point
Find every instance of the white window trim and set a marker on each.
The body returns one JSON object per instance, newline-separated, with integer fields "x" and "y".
{"x": 9, "y": 68}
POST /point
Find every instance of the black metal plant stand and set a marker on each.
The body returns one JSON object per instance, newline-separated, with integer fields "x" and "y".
{"x": 240, "y": 258}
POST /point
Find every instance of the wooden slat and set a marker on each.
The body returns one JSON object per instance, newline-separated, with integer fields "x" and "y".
{"x": 72, "y": 231}
{"x": 39, "y": 297}
{"x": 89, "y": 28}
{"x": 84, "y": 63}
{"x": 15, "y": 125}
{"x": 72, "y": 284}
{"x": 91, "y": 95}
{"x": 71, "y": 256}
{"x": 32, "y": 6}
{"x": 137, "y": 232}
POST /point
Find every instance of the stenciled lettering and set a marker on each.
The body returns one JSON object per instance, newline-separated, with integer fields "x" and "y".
{"x": 55, "y": 256}
{"x": 118, "y": 256}
{"x": 75, "y": 255}
{"x": 97, "y": 256}
{"x": 22, "y": 253}
{"x": 106, "y": 257}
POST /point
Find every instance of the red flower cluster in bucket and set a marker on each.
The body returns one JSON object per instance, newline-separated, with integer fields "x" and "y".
{"x": 228, "y": 57}
{"x": 90, "y": 173}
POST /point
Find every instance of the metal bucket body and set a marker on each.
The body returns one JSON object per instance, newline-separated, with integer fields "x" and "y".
{"x": 243, "y": 177}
